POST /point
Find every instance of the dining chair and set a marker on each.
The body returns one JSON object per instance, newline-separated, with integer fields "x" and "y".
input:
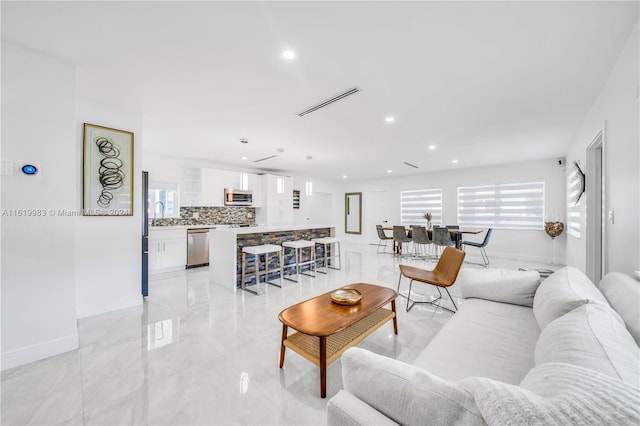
{"x": 383, "y": 238}
{"x": 455, "y": 237}
{"x": 481, "y": 246}
{"x": 441, "y": 238}
{"x": 400, "y": 236}
{"x": 442, "y": 276}
{"x": 421, "y": 241}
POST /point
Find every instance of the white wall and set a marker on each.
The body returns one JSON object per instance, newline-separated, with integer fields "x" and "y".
{"x": 108, "y": 248}
{"x": 617, "y": 104}
{"x": 38, "y": 253}
{"x": 525, "y": 245}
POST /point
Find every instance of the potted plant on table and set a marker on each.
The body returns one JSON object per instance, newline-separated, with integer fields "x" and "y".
{"x": 428, "y": 216}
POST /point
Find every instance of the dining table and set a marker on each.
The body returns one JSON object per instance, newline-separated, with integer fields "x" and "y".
{"x": 456, "y": 235}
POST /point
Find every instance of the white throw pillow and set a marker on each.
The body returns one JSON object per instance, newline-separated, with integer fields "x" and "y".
{"x": 406, "y": 394}
{"x": 591, "y": 337}
{"x": 556, "y": 394}
{"x": 562, "y": 292}
{"x": 623, "y": 293}
{"x": 499, "y": 285}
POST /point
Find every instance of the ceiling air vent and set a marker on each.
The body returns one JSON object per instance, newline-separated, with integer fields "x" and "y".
{"x": 329, "y": 101}
{"x": 265, "y": 158}
{"x": 411, "y": 165}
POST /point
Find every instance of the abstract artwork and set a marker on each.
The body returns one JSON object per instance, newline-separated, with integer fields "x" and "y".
{"x": 108, "y": 171}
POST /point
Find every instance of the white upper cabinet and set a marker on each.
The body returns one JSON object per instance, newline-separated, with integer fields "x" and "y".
{"x": 277, "y": 200}
{"x": 191, "y": 187}
{"x": 255, "y": 186}
{"x": 213, "y": 187}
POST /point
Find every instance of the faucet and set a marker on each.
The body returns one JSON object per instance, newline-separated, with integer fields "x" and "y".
{"x": 155, "y": 210}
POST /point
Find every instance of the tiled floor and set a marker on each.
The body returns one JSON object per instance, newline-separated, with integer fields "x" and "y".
{"x": 199, "y": 353}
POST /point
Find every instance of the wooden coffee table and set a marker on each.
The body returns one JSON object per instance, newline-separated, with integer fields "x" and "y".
{"x": 325, "y": 329}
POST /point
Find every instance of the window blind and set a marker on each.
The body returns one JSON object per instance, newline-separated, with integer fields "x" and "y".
{"x": 415, "y": 203}
{"x": 505, "y": 205}
{"x": 574, "y": 188}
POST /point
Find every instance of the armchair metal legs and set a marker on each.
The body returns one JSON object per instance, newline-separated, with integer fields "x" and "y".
{"x": 411, "y": 302}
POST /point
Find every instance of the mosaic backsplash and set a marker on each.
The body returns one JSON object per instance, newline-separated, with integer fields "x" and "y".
{"x": 209, "y": 216}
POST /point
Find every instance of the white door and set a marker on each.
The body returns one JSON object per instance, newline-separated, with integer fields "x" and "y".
{"x": 376, "y": 207}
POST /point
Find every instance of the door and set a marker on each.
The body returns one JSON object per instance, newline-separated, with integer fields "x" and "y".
{"x": 595, "y": 209}
{"x": 377, "y": 211}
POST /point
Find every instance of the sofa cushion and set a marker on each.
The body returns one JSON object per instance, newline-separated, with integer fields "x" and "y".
{"x": 591, "y": 337}
{"x": 406, "y": 394}
{"x": 622, "y": 292}
{"x": 562, "y": 292}
{"x": 556, "y": 394}
{"x": 500, "y": 285}
{"x": 483, "y": 338}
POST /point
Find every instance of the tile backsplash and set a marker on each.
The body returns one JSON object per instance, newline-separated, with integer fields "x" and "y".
{"x": 209, "y": 216}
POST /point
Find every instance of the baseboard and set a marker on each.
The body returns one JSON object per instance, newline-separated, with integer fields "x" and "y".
{"x": 102, "y": 308}
{"x": 39, "y": 351}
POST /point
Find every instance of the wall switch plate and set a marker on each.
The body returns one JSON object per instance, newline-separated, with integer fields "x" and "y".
{"x": 611, "y": 217}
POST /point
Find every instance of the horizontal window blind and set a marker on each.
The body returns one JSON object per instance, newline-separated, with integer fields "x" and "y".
{"x": 415, "y": 203}
{"x": 506, "y": 205}
{"x": 574, "y": 189}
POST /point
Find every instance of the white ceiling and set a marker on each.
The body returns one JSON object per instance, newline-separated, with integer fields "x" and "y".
{"x": 486, "y": 82}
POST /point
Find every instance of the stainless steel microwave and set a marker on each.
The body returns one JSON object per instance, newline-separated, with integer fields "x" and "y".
{"x": 237, "y": 197}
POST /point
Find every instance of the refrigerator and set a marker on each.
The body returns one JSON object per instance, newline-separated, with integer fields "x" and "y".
{"x": 145, "y": 234}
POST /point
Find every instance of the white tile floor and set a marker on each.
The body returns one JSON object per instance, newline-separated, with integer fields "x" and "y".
{"x": 197, "y": 352}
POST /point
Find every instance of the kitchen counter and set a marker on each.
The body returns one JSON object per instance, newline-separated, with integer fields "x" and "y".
{"x": 225, "y": 246}
{"x": 261, "y": 229}
{"x": 177, "y": 227}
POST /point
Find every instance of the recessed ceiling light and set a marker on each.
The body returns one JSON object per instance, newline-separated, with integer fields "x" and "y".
{"x": 309, "y": 157}
{"x": 280, "y": 149}
{"x": 288, "y": 54}
{"x": 244, "y": 158}
{"x": 454, "y": 161}
{"x": 389, "y": 171}
{"x": 389, "y": 119}
{"x": 344, "y": 176}
{"x": 432, "y": 147}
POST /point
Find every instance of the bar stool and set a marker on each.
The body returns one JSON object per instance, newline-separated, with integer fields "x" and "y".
{"x": 298, "y": 246}
{"x": 326, "y": 243}
{"x": 257, "y": 252}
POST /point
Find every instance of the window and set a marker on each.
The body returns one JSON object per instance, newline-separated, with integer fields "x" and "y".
{"x": 574, "y": 191}
{"x": 507, "y": 205}
{"x": 414, "y": 204}
{"x": 164, "y": 196}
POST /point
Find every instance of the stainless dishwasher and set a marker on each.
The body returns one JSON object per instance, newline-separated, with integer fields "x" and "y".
{"x": 197, "y": 247}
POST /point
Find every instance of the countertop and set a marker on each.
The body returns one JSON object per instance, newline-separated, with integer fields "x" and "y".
{"x": 179, "y": 227}
{"x": 269, "y": 228}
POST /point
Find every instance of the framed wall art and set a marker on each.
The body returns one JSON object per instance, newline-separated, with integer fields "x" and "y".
{"x": 108, "y": 172}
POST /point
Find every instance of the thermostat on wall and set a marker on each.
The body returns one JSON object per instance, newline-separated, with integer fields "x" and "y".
{"x": 29, "y": 169}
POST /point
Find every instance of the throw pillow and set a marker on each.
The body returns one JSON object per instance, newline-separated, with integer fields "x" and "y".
{"x": 623, "y": 293}
{"x": 499, "y": 285}
{"x": 591, "y": 337}
{"x": 406, "y": 394}
{"x": 556, "y": 394}
{"x": 562, "y": 292}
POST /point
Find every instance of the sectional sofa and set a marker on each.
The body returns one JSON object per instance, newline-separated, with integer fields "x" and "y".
{"x": 518, "y": 351}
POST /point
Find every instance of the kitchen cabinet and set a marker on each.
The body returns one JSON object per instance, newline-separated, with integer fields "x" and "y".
{"x": 191, "y": 188}
{"x": 167, "y": 250}
{"x": 276, "y": 206}
{"x": 213, "y": 187}
{"x": 255, "y": 186}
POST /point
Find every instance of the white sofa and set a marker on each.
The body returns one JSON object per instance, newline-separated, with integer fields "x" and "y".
{"x": 517, "y": 352}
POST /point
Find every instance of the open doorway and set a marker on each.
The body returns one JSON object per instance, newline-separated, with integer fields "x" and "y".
{"x": 595, "y": 210}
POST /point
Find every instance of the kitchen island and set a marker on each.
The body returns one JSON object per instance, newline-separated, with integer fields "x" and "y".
{"x": 226, "y": 246}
